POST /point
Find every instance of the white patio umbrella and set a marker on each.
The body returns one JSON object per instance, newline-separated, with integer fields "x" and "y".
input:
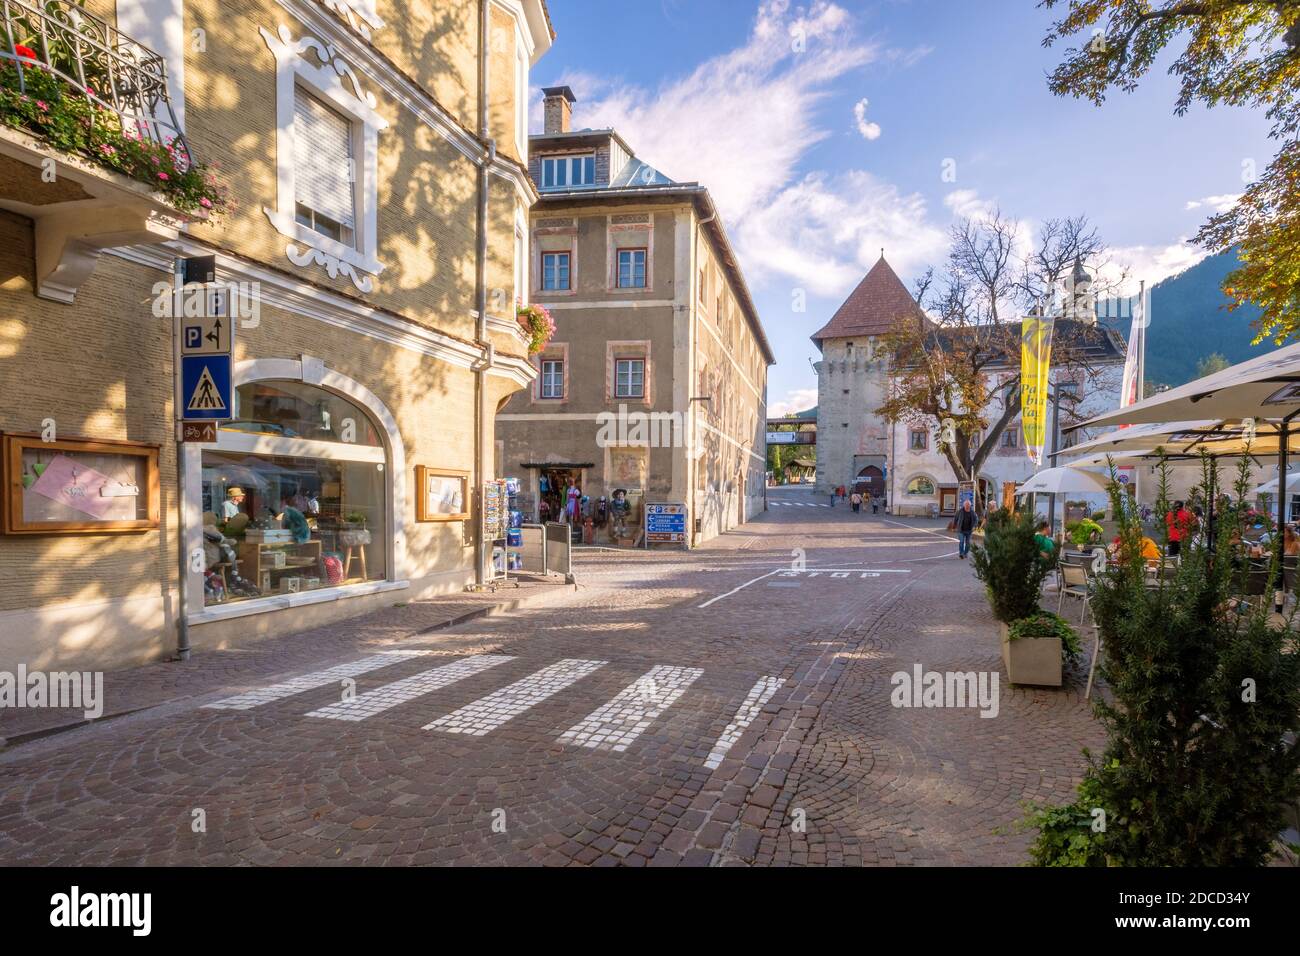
{"x": 1270, "y": 487}
{"x": 1101, "y": 459}
{"x": 1139, "y": 436}
{"x": 1064, "y": 480}
{"x": 1267, "y": 387}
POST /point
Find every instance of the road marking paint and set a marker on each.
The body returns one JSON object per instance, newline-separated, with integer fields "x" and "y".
{"x": 490, "y": 712}
{"x": 297, "y": 685}
{"x": 417, "y": 685}
{"x": 615, "y": 725}
{"x": 741, "y": 588}
{"x": 759, "y": 695}
{"x": 915, "y": 528}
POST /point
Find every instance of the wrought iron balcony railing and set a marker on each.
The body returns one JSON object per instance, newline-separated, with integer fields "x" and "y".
{"x": 97, "y": 60}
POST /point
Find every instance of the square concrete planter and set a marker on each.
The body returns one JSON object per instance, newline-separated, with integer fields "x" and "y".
{"x": 1031, "y": 660}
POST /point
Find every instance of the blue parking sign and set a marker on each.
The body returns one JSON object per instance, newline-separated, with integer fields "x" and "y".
{"x": 206, "y": 388}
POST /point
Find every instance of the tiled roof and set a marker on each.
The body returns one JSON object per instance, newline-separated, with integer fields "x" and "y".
{"x": 873, "y": 308}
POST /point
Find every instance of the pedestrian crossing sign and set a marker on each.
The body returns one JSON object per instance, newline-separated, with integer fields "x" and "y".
{"x": 206, "y": 392}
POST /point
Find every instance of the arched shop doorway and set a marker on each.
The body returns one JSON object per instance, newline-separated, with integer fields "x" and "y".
{"x": 302, "y": 494}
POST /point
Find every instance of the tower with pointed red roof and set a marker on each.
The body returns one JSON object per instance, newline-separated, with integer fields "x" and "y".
{"x": 853, "y": 442}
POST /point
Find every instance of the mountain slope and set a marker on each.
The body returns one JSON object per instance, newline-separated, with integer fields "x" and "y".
{"x": 1190, "y": 320}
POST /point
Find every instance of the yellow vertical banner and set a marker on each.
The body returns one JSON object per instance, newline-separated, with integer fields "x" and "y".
{"x": 1035, "y": 372}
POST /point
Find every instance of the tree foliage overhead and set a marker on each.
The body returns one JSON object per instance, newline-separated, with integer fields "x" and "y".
{"x": 1237, "y": 53}
{"x": 953, "y": 365}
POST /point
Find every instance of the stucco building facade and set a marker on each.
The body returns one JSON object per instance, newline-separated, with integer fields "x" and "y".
{"x": 375, "y": 157}
{"x": 655, "y": 380}
{"x": 902, "y": 460}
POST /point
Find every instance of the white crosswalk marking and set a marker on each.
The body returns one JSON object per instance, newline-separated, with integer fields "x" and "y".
{"x": 618, "y": 723}
{"x": 417, "y": 685}
{"x": 297, "y": 685}
{"x": 490, "y": 712}
{"x": 759, "y": 695}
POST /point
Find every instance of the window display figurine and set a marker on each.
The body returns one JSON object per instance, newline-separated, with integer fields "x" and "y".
{"x": 573, "y": 496}
{"x": 620, "y": 508}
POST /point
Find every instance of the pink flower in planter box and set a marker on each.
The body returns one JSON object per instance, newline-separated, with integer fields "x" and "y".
{"x": 164, "y": 177}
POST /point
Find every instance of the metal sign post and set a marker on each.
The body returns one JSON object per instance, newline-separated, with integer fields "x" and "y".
{"x": 202, "y": 340}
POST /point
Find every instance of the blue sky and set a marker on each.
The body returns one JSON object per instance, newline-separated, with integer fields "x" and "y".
{"x": 812, "y": 184}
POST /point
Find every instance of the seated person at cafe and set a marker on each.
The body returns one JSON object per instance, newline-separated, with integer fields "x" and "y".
{"x": 1148, "y": 549}
{"x": 1290, "y": 542}
{"x": 1043, "y": 540}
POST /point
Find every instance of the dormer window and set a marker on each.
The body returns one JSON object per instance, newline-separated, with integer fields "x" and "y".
{"x": 563, "y": 172}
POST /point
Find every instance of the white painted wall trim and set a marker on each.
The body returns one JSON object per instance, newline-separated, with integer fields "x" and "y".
{"x": 612, "y": 304}
{"x": 293, "y": 70}
{"x": 405, "y": 91}
{"x": 301, "y": 298}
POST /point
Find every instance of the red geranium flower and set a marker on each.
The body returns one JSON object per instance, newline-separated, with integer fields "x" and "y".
{"x": 26, "y": 52}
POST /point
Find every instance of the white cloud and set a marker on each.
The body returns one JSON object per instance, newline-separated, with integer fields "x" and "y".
{"x": 1216, "y": 203}
{"x": 741, "y": 121}
{"x": 824, "y": 232}
{"x": 796, "y": 400}
{"x": 1128, "y": 266}
{"x": 869, "y": 131}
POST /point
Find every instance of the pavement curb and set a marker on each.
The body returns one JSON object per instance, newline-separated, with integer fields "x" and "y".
{"x": 505, "y": 607}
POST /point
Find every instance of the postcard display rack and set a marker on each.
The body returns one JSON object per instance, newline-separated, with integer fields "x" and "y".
{"x": 499, "y": 529}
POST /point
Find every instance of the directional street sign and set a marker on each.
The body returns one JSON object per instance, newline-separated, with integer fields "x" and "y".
{"x": 206, "y": 388}
{"x": 201, "y": 432}
{"x": 205, "y": 336}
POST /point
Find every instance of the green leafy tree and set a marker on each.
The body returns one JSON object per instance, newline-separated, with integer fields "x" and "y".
{"x": 1237, "y": 53}
{"x": 1214, "y": 362}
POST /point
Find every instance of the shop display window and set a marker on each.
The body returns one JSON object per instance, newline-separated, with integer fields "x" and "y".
{"x": 277, "y": 524}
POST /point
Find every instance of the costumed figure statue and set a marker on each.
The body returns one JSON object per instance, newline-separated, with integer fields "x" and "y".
{"x": 620, "y": 508}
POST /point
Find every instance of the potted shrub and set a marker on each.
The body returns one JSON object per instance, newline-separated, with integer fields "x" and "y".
{"x": 1084, "y": 533}
{"x": 1013, "y": 570}
{"x": 353, "y": 531}
{"x": 1036, "y": 648}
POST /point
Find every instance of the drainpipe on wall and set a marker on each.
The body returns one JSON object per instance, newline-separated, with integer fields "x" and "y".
{"x": 482, "y": 553}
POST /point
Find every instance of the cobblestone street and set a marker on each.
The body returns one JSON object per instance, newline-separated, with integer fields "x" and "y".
{"x": 730, "y": 706}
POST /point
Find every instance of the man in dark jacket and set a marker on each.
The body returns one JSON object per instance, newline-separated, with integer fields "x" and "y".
{"x": 965, "y": 526}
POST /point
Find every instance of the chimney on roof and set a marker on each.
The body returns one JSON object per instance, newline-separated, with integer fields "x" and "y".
{"x": 557, "y": 108}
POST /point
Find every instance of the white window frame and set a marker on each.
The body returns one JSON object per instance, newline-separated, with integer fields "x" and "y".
{"x": 296, "y": 66}
{"x": 554, "y": 383}
{"x": 568, "y": 159}
{"x": 568, "y": 270}
{"x": 645, "y": 267}
{"x": 618, "y": 385}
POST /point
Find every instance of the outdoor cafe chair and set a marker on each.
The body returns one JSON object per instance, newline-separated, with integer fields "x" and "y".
{"x": 1074, "y": 583}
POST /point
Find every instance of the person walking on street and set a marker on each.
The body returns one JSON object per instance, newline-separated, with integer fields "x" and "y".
{"x": 965, "y": 527}
{"x": 856, "y": 501}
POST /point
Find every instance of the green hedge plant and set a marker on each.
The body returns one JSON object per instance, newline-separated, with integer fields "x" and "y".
{"x": 1200, "y": 762}
{"x": 1010, "y": 565}
{"x": 1047, "y": 624}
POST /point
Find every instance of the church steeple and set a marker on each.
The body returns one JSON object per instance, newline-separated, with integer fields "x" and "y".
{"x": 1080, "y": 304}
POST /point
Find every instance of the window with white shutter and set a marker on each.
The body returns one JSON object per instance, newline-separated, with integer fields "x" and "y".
{"x": 324, "y": 198}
